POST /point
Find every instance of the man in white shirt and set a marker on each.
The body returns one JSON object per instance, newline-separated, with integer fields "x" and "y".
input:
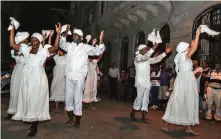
{"x": 142, "y": 80}
{"x": 114, "y": 77}
{"x": 197, "y": 71}
{"x": 76, "y": 71}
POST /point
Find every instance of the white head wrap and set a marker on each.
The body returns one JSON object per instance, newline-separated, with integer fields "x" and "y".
{"x": 21, "y": 36}
{"x": 140, "y": 47}
{"x": 13, "y": 22}
{"x": 88, "y": 38}
{"x": 181, "y": 48}
{"x": 205, "y": 28}
{"x": 78, "y": 32}
{"x": 63, "y": 29}
{"x": 38, "y": 36}
{"x": 47, "y": 32}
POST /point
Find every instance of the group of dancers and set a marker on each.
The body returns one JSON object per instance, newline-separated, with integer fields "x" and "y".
{"x": 29, "y": 94}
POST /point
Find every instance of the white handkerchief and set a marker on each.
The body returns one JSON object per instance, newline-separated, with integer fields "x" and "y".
{"x": 205, "y": 28}
{"x": 47, "y": 32}
{"x": 158, "y": 38}
{"x": 88, "y": 38}
{"x": 63, "y": 29}
{"x": 152, "y": 37}
{"x": 13, "y": 22}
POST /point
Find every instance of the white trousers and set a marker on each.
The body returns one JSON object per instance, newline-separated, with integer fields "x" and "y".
{"x": 142, "y": 100}
{"x": 73, "y": 97}
{"x": 213, "y": 95}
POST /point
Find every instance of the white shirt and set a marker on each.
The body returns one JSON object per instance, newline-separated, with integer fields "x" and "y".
{"x": 142, "y": 65}
{"x": 155, "y": 82}
{"x": 199, "y": 69}
{"x": 77, "y": 57}
{"x": 114, "y": 73}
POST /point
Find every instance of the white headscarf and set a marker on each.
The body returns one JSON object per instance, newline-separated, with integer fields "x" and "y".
{"x": 140, "y": 47}
{"x": 47, "y": 32}
{"x": 38, "y": 36}
{"x": 13, "y": 22}
{"x": 78, "y": 32}
{"x": 181, "y": 48}
{"x": 21, "y": 36}
{"x": 63, "y": 29}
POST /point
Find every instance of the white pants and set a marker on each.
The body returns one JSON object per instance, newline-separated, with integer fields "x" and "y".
{"x": 73, "y": 97}
{"x": 213, "y": 95}
{"x": 142, "y": 100}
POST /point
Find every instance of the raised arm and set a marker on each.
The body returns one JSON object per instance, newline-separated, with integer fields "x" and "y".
{"x": 63, "y": 42}
{"x": 50, "y": 36}
{"x": 194, "y": 45}
{"x": 160, "y": 57}
{"x": 55, "y": 47}
{"x": 12, "y": 39}
{"x": 97, "y": 50}
{"x": 143, "y": 58}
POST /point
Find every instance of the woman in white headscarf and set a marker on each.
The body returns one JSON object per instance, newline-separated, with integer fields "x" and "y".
{"x": 20, "y": 38}
{"x": 33, "y": 101}
{"x": 58, "y": 82}
{"x": 183, "y": 104}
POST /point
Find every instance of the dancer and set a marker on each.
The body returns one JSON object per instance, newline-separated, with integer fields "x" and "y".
{"x": 58, "y": 82}
{"x": 76, "y": 71}
{"x": 20, "y": 38}
{"x": 183, "y": 105}
{"x": 33, "y": 102}
{"x": 142, "y": 80}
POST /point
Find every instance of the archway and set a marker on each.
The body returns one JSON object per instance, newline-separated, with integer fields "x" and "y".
{"x": 209, "y": 47}
{"x": 124, "y": 53}
{"x": 165, "y": 35}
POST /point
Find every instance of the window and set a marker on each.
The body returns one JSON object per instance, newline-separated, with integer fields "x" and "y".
{"x": 209, "y": 46}
{"x": 124, "y": 53}
{"x": 140, "y": 39}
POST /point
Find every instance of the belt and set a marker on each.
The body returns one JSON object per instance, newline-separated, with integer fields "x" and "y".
{"x": 215, "y": 88}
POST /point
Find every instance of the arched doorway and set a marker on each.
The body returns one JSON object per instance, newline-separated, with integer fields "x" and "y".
{"x": 165, "y": 35}
{"x": 209, "y": 46}
{"x": 140, "y": 39}
{"x": 124, "y": 53}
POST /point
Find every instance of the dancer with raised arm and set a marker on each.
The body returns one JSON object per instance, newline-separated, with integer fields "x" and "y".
{"x": 183, "y": 105}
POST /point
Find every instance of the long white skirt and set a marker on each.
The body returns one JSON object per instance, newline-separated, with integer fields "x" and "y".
{"x": 14, "y": 88}
{"x": 183, "y": 104}
{"x": 33, "y": 102}
{"x": 58, "y": 84}
{"x": 90, "y": 91}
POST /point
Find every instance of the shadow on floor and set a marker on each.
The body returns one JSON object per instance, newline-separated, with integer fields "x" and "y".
{"x": 178, "y": 134}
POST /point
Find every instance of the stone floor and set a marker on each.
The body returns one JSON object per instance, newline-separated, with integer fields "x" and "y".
{"x": 110, "y": 120}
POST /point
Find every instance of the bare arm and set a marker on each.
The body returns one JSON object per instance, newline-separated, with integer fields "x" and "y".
{"x": 194, "y": 46}
{"x": 12, "y": 39}
{"x": 55, "y": 47}
{"x": 50, "y": 36}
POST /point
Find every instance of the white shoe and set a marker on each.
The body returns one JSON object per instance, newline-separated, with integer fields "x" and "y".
{"x": 152, "y": 37}
{"x": 205, "y": 28}
{"x": 158, "y": 38}
{"x": 13, "y": 22}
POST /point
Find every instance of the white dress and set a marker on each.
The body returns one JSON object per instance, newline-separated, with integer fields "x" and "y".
{"x": 58, "y": 82}
{"x": 33, "y": 102}
{"x": 183, "y": 104}
{"x": 90, "y": 91}
{"x": 15, "y": 83}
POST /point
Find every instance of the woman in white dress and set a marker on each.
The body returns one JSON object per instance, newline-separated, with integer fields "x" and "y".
{"x": 58, "y": 82}
{"x": 20, "y": 38}
{"x": 90, "y": 92}
{"x": 183, "y": 104}
{"x": 33, "y": 102}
